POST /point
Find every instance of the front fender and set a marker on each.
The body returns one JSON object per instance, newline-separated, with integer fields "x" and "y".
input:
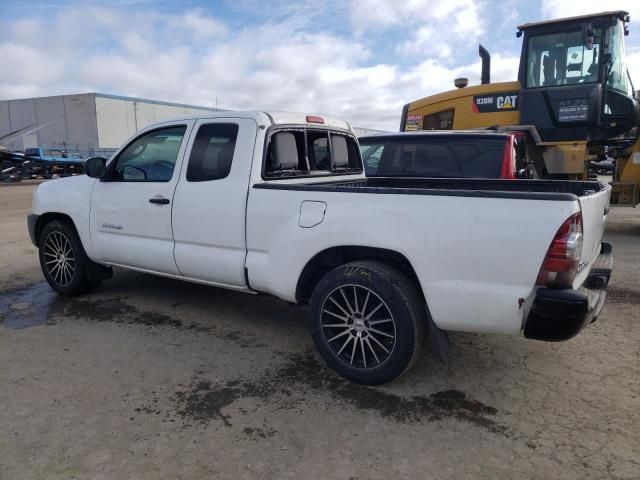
{"x": 70, "y": 196}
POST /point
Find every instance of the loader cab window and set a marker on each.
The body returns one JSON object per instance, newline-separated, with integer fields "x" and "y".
{"x": 618, "y": 76}
{"x": 562, "y": 59}
{"x": 438, "y": 121}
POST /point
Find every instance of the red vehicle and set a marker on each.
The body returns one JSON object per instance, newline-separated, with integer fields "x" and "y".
{"x": 442, "y": 154}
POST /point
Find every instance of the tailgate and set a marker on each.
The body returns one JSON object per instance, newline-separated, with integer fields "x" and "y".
{"x": 595, "y": 208}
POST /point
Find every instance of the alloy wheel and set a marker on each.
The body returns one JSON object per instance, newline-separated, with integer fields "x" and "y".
{"x": 358, "y": 326}
{"x": 59, "y": 258}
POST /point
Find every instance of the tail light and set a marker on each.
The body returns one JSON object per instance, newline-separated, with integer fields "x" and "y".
{"x": 560, "y": 265}
{"x": 314, "y": 119}
{"x": 508, "y": 169}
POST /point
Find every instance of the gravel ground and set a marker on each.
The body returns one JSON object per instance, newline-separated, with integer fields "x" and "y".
{"x": 154, "y": 378}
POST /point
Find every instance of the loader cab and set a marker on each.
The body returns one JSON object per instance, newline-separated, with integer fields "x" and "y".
{"x": 574, "y": 79}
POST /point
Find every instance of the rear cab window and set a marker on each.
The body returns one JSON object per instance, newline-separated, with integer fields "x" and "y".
{"x": 306, "y": 152}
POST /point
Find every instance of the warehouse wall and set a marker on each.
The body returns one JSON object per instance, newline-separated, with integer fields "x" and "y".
{"x": 361, "y": 132}
{"x": 87, "y": 123}
{"x": 115, "y": 120}
{"x": 67, "y": 122}
{"x": 90, "y": 123}
{"x": 118, "y": 118}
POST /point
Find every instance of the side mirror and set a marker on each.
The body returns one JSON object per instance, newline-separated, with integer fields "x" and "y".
{"x": 96, "y": 167}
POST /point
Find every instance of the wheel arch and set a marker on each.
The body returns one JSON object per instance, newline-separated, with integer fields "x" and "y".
{"x": 48, "y": 217}
{"x": 328, "y": 259}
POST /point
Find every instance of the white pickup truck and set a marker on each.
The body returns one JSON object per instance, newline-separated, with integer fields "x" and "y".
{"x": 277, "y": 203}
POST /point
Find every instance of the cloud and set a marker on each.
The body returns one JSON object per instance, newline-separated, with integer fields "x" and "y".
{"x": 280, "y": 65}
{"x": 433, "y": 27}
{"x": 564, "y": 8}
{"x": 633, "y": 64}
{"x": 198, "y": 23}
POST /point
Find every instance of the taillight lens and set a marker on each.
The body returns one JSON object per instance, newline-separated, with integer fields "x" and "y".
{"x": 560, "y": 266}
{"x": 508, "y": 169}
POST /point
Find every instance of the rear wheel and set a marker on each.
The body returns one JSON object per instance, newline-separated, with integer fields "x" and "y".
{"x": 63, "y": 259}
{"x": 367, "y": 321}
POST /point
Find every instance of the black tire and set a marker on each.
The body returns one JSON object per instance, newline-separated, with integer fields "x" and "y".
{"x": 364, "y": 282}
{"x": 63, "y": 260}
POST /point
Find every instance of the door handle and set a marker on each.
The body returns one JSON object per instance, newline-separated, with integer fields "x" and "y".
{"x": 159, "y": 200}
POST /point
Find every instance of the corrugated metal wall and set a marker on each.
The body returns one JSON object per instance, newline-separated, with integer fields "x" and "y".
{"x": 87, "y": 123}
{"x": 68, "y": 122}
{"x": 90, "y": 123}
{"x": 119, "y": 118}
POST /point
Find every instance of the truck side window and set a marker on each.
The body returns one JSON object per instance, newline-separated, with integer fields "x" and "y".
{"x": 212, "y": 152}
{"x": 150, "y": 157}
{"x": 371, "y": 155}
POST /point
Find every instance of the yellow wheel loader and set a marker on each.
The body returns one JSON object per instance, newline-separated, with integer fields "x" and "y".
{"x": 573, "y": 102}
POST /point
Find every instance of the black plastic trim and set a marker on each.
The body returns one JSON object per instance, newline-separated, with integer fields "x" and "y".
{"x": 366, "y": 187}
{"x": 32, "y": 221}
{"x": 600, "y": 273}
{"x": 557, "y": 315}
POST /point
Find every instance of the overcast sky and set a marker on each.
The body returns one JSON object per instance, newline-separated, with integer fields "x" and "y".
{"x": 360, "y": 60}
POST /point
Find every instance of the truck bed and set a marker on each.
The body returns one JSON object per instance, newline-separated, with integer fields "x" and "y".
{"x": 492, "y": 188}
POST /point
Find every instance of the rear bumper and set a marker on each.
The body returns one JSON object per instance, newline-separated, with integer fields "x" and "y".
{"x": 559, "y": 314}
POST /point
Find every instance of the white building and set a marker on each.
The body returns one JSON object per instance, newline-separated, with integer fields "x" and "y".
{"x": 89, "y": 123}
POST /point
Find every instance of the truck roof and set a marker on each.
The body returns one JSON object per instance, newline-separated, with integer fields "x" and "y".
{"x": 437, "y": 135}
{"x": 273, "y": 118}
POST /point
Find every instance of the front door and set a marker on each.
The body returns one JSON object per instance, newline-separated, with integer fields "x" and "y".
{"x": 131, "y": 207}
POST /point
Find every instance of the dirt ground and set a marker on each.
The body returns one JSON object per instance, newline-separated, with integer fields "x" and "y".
{"x": 150, "y": 378}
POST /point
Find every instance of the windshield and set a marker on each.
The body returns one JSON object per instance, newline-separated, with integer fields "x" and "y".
{"x": 562, "y": 59}
{"x": 618, "y": 78}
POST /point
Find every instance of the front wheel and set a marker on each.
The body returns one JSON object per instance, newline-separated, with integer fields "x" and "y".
{"x": 62, "y": 259}
{"x": 367, "y": 321}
